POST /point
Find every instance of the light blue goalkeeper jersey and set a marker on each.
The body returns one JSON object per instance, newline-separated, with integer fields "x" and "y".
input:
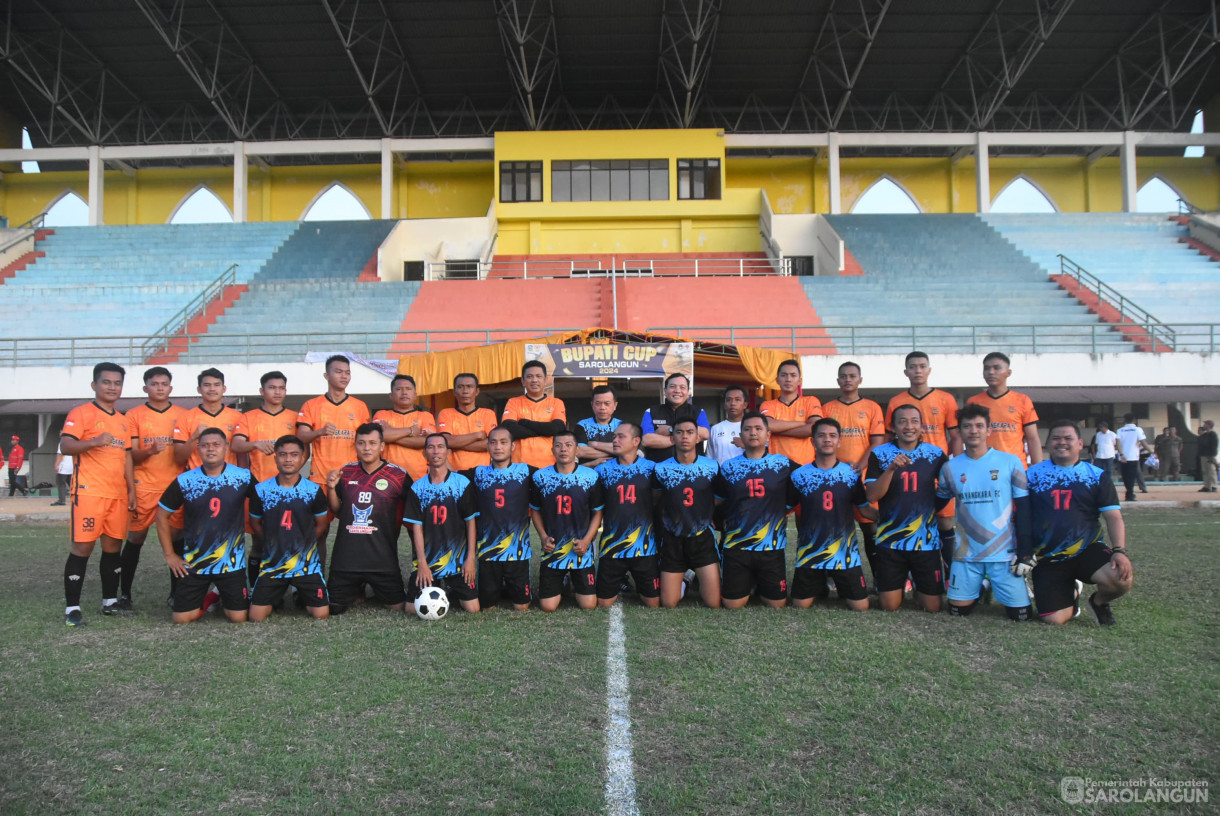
{"x": 984, "y": 489}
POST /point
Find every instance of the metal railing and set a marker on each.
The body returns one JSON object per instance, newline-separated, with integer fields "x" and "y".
{"x": 28, "y": 232}
{"x": 177, "y": 324}
{"x": 625, "y": 267}
{"x": 1186, "y": 208}
{"x": 1129, "y": 312}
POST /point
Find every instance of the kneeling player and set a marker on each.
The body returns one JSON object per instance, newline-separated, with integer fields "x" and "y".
{"x": 989, "y": 489}
{"x": 289, "y": 514}
{"x": 902, "y": 479}
{"x": 502, "y": 490}
{"x": 829, "y": 493}
{"x": 213, "y": 500}
{"x": 566, "y": 506}
{"x": 627, "y": 542}
{"x": 1068, "y": 499}
{"x": 687, "y": 503}
{"x": 440, "y": 511}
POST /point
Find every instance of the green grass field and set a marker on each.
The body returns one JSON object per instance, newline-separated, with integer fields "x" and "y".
{"x": 751, "y": 712}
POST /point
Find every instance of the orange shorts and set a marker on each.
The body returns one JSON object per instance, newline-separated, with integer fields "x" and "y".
{"x": 93, "y": 516}
{"x": 949, "y": 510}
{"x": 145, "y": 514}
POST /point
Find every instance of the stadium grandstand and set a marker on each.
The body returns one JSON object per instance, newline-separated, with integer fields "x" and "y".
{"x": 691, "y": 169}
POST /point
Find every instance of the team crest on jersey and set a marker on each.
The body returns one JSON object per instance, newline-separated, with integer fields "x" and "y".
{"x": 995, "y": 475}
{"x": 861, "y": 415}
{"x": 99, "y": 425}
{"x": 963, "y": 479}
{"x": 360, "y": 521}
{"x": 351, "y": 417}
{"x": 935, "y": 410}
{"x": 381, "y": 484}
{"x": 1012, "y": 409}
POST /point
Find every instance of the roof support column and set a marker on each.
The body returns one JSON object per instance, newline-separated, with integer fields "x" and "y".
{"x": 1127, "y": 168}
{"x": 982, "y": 172}
{"x": 241, "y": 177}
{"x": 96, "y": 186}
{"x": 387, "y": 180}
{"x": 832, "y": 160}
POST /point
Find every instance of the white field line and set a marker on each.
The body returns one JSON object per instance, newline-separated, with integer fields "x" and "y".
{"x": 620, "y": 767}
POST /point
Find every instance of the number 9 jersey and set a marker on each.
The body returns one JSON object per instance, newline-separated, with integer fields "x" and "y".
{"x": 214, "y": 508}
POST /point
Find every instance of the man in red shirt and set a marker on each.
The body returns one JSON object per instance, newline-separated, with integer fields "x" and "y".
{"x": 16, "y": 458}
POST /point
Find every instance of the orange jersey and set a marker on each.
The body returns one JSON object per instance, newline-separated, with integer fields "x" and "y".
{"x": 227, "y": 419}
{"x": 453, "y": 421}
{"x": 1010, "y": 415}
{"x": 335, "y": 451}
{"x": 860, "y": 420}
{"x": 100, "y": 472}
{"x": 537, "y": 450}
{"x": 260, "y": 426}
{"x": 801, "y": 410}
{"x": 409, "y": 459}
{"x": 938, "y": 410}
{"x": 148, "y": 425}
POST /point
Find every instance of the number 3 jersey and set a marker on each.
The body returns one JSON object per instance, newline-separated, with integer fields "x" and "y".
{"x": 290, "y": 544}
{"x": 442, "y": 510}
{"x": 907, "y": 511}
{"x": 756, "y": 496}
{"x": 1066, "y": 504}
{"x": 826, "y": 529}
{"x": 627, "y": 518}
{"x": 214, "y": 507}
{"x": 370, "y": 518}
{"x": 503, "y": 496}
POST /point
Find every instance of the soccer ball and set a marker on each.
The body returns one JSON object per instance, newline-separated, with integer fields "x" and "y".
{"x": 432, "y": 603}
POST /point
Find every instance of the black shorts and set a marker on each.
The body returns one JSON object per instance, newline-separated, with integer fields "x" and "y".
{"x": 511, "y": 578}
{"x": 1055, "y": 581}
{"x": 190, "y": 591}
{"x": 550, "y": 581}
{"x": 741, "y": 570}
{"x": 680, "y": 553}
{"x": 808, "y": 582}
{"x": 612, "y": 571}
{"x": 311, "y": 589}
{"x": 345, "y": 587}
{"x": 890, "y": 569}
{"x": 455, "y": 587}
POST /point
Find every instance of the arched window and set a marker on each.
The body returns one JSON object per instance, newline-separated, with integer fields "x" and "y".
{"x": 336, "y": 203}
{"x": 885, "y": 196}
{"x": 1156, "y": 196}
{"x": 69, "y": 210}
{"x": 1022, "y": 196}
{"x": 201, "y": 206}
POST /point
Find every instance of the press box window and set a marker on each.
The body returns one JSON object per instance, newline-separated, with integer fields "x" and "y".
{"x": 520, "y": 181}
{"x": 610, "y": 180}
{"x": 698, "y": 178}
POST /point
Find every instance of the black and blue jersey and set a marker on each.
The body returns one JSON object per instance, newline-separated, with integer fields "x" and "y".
{"x": 567, "y": 502}
{"x": 214, "y": 507}
{"x": 290, "y": 543}
{"x": 442, "y": 510}
{"x": 907, "y": 511}
{"x": 688, "y": 499}
{"x": 755, "y": 492}
{"x": 588, "y": 430}
{"x": 826, "y": 529}
{"x": 1066, "y": 505}
{"x": 627, "y": 516}
{"x": 503, "y": 496}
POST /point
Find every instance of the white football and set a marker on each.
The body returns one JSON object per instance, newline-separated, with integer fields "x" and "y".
{"x": 432, "y": 603}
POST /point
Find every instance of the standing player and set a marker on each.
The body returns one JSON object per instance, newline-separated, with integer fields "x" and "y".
{"x": 96, "y": 434}
{"x": 658, "y": 422}
{"x": 938, "y": 413}
{"x": 829, "y": 494}
{"x": 534, "y": 419}
{"x": 1014, "y": 422}
{"x": 502, "y": 490}
{"x": 328, "y": 423}
{"x": 288, "y": 512}
{"x": 791, "y": 417}
{"x": 1068, "y": 499}
{"x": 902, "y": 479}
{"x": 210, "y": 413}
{"x": 595, "y": 435}
{"x": 466, "y": 426}
{"x": 152, "y": 453}
{"x": 627, "y": 541}
{"x": 754, "y": 488}
{"x": 366, "y": 496}
{"x": 862, "y": 428}
{"x": 993, "y": 511}
{"x": 440, "y": 512}
{"x": 213, "y": 499}
{"x": 1131, "y": 440}
{"x": 261, "y": 427}
{"x": 724, "y": 440}
{"x": 566, "y": 507}
{"x": 686, "y": 502}
{"x": 406, "y": 427}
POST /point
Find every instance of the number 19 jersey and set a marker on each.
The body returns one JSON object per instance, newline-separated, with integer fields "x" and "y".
{"x": 442, "y": 509}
